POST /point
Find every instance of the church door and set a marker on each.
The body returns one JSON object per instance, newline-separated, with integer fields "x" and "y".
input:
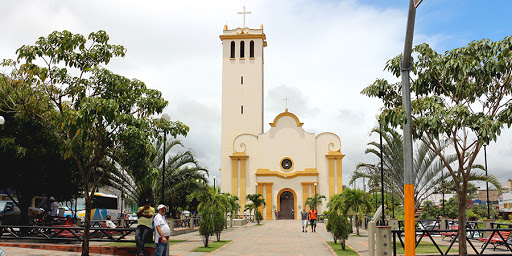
{"x": 286, "y": 205}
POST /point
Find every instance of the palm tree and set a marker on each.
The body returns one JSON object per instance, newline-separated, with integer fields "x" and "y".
{"x": 352, "y": 199}
{"x": 182, "y": 172}
{"x": 257, "y": 200}
{"x": 426, "y": 165}
{"x": 314, "y": 201}
{"x": 182, "y": 175}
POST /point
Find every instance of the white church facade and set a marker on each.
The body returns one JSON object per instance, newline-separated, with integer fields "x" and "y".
{"x": 286, "y": 164}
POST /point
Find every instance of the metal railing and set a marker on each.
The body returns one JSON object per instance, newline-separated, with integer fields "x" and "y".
{"x": 64, "y": 233}
{"x": 494, "y": 232}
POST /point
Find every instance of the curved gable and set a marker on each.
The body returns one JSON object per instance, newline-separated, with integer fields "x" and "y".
{"x": 286, "y": 113}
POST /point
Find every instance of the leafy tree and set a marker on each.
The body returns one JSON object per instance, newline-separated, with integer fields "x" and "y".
{"x": 463, "y": 95}
{"x": 352, "y": 199}
{"x": 33, "y": 162}
{"x": 314, "y": 201}
{"x": 430, "y": 211}
{"x": 338, "y": 226}
{"x": 257, "y": 201}
{"x": 102, "y": 119}
{"x": 219, "y": 215}
{"x": 211, "y": 207}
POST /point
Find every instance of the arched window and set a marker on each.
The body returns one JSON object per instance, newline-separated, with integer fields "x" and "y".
{"x": 242, "y": 49}
{"x": 251, "y": 49}
{"x": 232, "y": 49}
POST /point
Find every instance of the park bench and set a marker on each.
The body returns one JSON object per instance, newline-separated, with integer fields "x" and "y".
{"x": 450, "y": 234}
{"x": 496, "y": 238}
{"x": 68, "y": 233}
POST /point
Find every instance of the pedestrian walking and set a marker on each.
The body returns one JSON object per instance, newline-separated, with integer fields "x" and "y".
{"x": 304, "y": 217}
{"x": 312, "y": 219}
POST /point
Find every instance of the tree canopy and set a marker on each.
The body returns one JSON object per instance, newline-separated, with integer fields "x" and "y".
{"x": 463, "y": 95}
{"x": 103, "y": 120}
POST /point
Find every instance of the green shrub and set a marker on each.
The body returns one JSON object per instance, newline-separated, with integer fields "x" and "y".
{"x": 339, "y": 227}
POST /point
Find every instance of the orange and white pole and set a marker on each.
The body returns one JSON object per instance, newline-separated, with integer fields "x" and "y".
{"x": 409, "y": 225}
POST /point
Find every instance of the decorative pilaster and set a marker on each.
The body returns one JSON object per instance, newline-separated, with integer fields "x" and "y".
{"x": 268, "y": 200}
{"x": 234, "y": 177}
{"x": 235, "y": 158}
{"x": 331, "y": 177}
{"x": 305, "y": 193}
{"x": 335, "y": 183}
{"x": 339, "y": 176}
{"x": 260, "y": 191}
{"x": 243, "y": 176}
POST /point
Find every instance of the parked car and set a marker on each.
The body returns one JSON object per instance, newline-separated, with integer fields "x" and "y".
{"x": 133, "y": 216}
{"x": 9, "y": 212}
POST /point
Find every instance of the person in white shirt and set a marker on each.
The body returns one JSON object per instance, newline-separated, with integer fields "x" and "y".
{"x": 163, "y": 231}
{"x": 110, "y": 223}
{"x": 54, "y": 208}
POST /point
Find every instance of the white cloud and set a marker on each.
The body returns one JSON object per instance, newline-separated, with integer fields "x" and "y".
{"x": 320, "y": 54}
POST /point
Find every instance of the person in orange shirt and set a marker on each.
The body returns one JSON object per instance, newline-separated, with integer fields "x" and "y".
{"x": 312, "y": 219}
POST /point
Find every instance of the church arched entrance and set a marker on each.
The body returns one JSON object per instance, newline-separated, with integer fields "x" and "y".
{"x": 287, "y": 201}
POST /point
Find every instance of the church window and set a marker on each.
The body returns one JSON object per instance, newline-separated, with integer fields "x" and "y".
{"x": 286, "y": 163}
{"x": 242, "y": 80}
{"x": 232, "y": 49}
{"x": 242, "y": 49}
{"x": 241, "y": 109}
{"x": 251, "y": 49}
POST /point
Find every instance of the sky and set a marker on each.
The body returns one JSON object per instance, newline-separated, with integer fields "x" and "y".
{"x": 320, "y": 54}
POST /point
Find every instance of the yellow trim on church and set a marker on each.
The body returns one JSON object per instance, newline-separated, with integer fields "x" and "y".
{"x": 286, "y": 113}
{"x": 243, "y": 174}
{"x": 243, "y": 36}
{"x": 306, "y": 172}
{"x": 335, "y": 185}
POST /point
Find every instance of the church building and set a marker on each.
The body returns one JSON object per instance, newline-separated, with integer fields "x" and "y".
{"x": 286, "y": 164}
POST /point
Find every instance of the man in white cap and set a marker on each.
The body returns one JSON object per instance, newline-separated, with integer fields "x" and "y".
{"x": 163, "y": 231}
{"x": 54, "y": 208}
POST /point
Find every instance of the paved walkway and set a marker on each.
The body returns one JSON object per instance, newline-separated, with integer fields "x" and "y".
{"x": 282, "y": 237}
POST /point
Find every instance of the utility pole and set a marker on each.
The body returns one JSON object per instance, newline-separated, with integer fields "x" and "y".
{"x": 409, "y": 225}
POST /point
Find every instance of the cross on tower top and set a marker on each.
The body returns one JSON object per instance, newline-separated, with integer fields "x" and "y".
{"x": 286, "y": 100}
{"x": 244, "y": 13}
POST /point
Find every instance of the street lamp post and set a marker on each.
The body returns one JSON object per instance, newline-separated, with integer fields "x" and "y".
{"x": 315, "y": 187}
{"x": 214, "y": 178}
{"x": 442, "y": 187}
{"x": 256, "y": 188}
{"x": 167, "y": 118}
{"x": 487, "y": 183}
{"x": 2, "y": 120}
{"x": 381, "y": 169}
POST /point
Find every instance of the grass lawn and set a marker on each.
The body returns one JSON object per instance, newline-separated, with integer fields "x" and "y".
{"x": 211, "y": 246}
{"x": 426, "y": 247}
{"x": 257, "y": 225}
{"x": 171, "y": 242}
{"x": 337, "y": 249}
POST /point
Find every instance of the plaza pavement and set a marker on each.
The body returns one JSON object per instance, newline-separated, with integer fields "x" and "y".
{"x": 282, "y": 237}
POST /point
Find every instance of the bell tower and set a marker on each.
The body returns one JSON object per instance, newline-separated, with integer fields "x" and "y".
{"x": 242, "y": 93}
